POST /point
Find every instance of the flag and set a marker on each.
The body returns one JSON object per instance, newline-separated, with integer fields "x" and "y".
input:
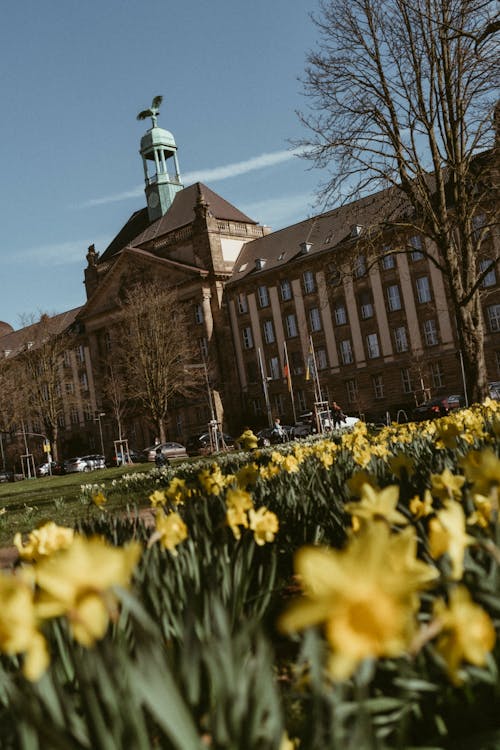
{"x": 286, "y": 369}
{"x": 310, "y": 361}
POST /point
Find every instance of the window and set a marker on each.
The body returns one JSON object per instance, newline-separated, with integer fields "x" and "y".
{"x": 401, "y": 339}
{"x": 107, "y": 341}
{"x": 493, "y": 313}
{"x": 66, "y": 358}
{"x": 406, "y": 380}
{"x": 478, "y": 223}
{"x": 274, "y": 368}
{"x": 491, "y": 278}
{"x": 497, "y": 358}
{"x": 241, "y": 303}
{"x": 321, "y": 359}
{"x": 296, "y": 362}
{"x": 285, "y": 290}
{"x": 423, "y": 289}
{"x": 179, "y": 424}
{"x": 351, "y": 387}
{"x": 309, "y": 282}
{"x": 263, "y": 296}
{"x": 372, "y": 346}
{"x": 84, "y": 383}
{"x": 73, "y": 415}
{"x": 268, "y": 332}
{"x": 366, "y": 305}
{"x": 203, "y": 344}
{"x": 88, "y": 413}
{"x": 315, "y": 319}
{"x": 252, "y": 375}
{"x": 256, "y": 406}
{"x": 301, "y": 400}
{"x": 360, "y": 266}
{"x": 378, "y": 386}
{"x": 279, "y": 401}
{"x": 430, "y": 333}
{"x": 198, "y": 313}
{"x": 393, "y": 298}
{"x": 346, "y": 352}
{"x": 334, "y": 277}
{"x": 80, "y": 353}
{"x": 246, "y": 334}
{"x": 61, "y": 421}
{"x": 69, "y": 388}
{"x": 415, "y": 243}
{"x": 340, "y": 314}
{"x": 437, "y": 375}
{"x": 387, "y": 261}
{"x": 291, "y": 326}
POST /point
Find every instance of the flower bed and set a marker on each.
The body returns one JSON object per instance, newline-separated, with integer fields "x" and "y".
{"x": 335, "y": 593}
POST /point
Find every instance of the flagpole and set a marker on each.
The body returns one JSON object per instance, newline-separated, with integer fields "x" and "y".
{"x": 317, "y": 387}
{"x": 265, "y": 389}
{"x": 289, "y": 383}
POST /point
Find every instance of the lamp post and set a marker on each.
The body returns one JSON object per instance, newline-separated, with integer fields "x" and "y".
{"x": 97, "y": 418}
{"x": 213, "y": 431}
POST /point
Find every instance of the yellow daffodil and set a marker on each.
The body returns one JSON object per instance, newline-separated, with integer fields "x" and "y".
{"x": 170, "y": 531}
{"x": 44, "y": 541}
{"x": 264, "y": 524}
{"x": 447, "y": 432}
{"x": 247, "y": 475}
{"x": 447, "y": 485}
{"x": 238, "y": 502}
{"x": 377, "y": 505}
{"x": 290, "y": 464}
{"x": 99, "y": 499}
{"x": 447, "y": 535}
{"x": 157, "y": 498}
{"x": 467, "y": 632}
{"x": 482, "y": 470}
{"x": 421, "y": 508}
{"x": 358, "y": 479}
{"x": 269, "y": 471}
{"x": 364, "y": 596}
{"x": 212, "y": 480}
{"x": 177, "y": 491}
{"x": 78, "y": 583}
{"x": 486, "y": 509}
{"x": 18, "y": 626}
{"x": 401, "y": 465}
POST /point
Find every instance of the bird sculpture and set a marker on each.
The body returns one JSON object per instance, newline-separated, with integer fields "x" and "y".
{"x": 153, "y": 111}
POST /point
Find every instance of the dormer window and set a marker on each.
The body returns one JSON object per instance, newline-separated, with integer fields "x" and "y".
{"x": 356, "y": 230}
{"x": 305, "y": 247}
{"x": 259, "y": 263}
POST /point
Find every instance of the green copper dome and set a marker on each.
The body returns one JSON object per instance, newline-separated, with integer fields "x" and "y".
{"x": 157, "y": 137}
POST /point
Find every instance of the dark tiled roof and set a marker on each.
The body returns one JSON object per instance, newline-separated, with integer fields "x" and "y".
{"x": 15, "y": 340}
{"x": 134, "y": 226}
{"x": 323, "y": 232}
{"x": 138, "y": 231}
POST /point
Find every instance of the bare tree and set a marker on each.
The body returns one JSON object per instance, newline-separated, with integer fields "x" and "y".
{"x": 153, "y": 351}
{"x": 402, "y": 96}
{"x": 39, "y": 366}
{"x": 115, "y": 392}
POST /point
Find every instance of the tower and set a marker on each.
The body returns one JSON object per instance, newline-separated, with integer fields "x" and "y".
{"x": 158, "y": 148}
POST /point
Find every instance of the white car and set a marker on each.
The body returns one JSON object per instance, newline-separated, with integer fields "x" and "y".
{"x": 169, "y": 450}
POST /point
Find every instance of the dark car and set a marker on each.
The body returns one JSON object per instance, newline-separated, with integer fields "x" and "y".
{"x": 455, "y": 401}
{"x": 268, "y": 435}
{"x": 432, "y": 409}
{"x": 200, "y": 445}
{"x": 6, "y": 476}
{"x": 132, "y": 456}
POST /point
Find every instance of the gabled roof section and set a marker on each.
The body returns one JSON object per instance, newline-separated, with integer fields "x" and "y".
{"x": 321, "y": 232}
{"x": 13, "y": 342}
{"x": 181, "y": 212}
{"x": 134, "y": 226}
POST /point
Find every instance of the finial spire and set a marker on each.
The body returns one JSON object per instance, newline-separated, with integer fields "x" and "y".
{"x": 153, "y": 111}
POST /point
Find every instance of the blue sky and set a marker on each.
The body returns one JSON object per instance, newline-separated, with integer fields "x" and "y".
{"x": 75, "y": 74}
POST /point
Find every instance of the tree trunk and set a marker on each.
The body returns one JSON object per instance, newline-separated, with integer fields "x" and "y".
{"x": 471, "y": 342}
{"x": 161, "y": 430}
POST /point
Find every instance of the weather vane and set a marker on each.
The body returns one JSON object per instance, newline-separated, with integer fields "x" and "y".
{"x": 153, "y": 111}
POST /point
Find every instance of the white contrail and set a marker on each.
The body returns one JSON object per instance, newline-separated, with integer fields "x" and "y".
{"x": 208, "y": 175}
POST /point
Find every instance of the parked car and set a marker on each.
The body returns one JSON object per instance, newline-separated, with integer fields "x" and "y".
{"x": 432, "y": 409}
{"x": 136, "y": 457}
{"x": 306, "y": 423}
{"x": 267, "y": 436}
{"x": 199, "y": 445}
{"x": 455, "y": 401}
{"x": 168, "y": 450}
{"x": 84, "y": 463}
{"x": 494, "y": 389}
{"x": 6, "y": 476}
{"x": 44, "y": 471}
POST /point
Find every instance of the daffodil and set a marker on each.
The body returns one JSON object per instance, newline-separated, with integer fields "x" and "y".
{"x": 238, "y": 502}
{"x": 212, "y": 480}
{"x": 467, "y": 632}
{"x": 247, "y": 475}
{"x": 44, "y": 541}
{"x": 482, "y": 470}
{"x": 486, "y": 509}
{"x": 99, "y": 499}
{"x": 264, "y": 524}
{"x": 421, "y": 508}
{"x": 358, "y": 479}
{"x": 170, "y": 531}
{"x": 447, "y": 485}
{"x": 290, "y": 464}
{"x": 447, "y": 535}
{"x": 363, "y": 595}
{"x": 19, "y": 633}
{"x": 401, "y": 465}
{"x": 377, "y": 505}
{"x": 157, "y": 498}
{"x": 448, "y": 431}
{"x": 78, "y": 582}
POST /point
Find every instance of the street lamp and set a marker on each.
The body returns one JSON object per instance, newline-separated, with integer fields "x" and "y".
{"x": 213, "y": 431}
{"x": 97, "y": 418}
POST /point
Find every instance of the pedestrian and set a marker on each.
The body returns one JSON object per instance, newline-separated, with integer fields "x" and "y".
{"x": 278, "y": 432}
{"x": 160, "y": 459}
{"x": 247, "y": 440}
{"x": 337, "y": 415}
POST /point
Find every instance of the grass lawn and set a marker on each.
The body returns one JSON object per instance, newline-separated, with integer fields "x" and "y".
{"x": 32, "y": 501}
